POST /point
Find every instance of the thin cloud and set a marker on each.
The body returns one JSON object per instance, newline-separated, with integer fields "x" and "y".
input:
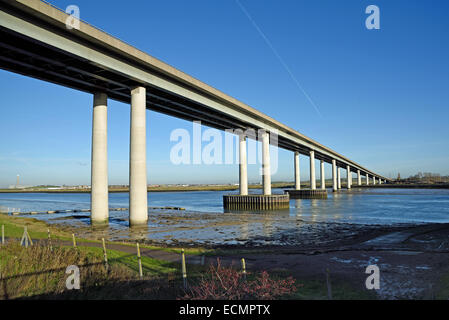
{"x": 273, "y": 49}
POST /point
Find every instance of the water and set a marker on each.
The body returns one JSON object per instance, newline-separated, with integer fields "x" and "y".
{"x": 365, "y": 206}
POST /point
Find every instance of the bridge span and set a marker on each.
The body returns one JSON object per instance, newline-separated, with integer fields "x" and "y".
{"x": 36, "y": 42}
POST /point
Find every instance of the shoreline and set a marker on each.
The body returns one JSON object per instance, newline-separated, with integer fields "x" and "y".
{"x": 149, "y": 189}
{"x": 229, "y": 188}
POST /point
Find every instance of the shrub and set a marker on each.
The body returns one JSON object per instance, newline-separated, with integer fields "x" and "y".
{"x": 221, "y": 283}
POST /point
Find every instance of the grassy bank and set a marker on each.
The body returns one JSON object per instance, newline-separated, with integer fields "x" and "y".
{"x": 40, "y": 273}
{"x": 37, "y": 272}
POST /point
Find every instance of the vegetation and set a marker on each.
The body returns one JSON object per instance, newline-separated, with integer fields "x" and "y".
{"x": 39, "y": 273}
{"x": 442, "y": 290}
{"x": 37, "y": 270}
{"x": 37, "y": 229}
{"x": 221, "y": 283}
{"x": 426, "y": 177}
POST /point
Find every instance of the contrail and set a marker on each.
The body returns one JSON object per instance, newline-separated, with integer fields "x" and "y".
{"x": 268, "y": 42}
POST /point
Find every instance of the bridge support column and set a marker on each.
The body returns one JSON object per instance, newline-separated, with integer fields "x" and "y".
{"x": 338, "y": 178}
{"x": 374, "y": 180}
{"x": 322, "y": 176}
{"x": 359, "y": 178}
{"x": 266, "y": 170}
{"x": 138, "y": 202}
{"x": 334, "y": 175}
{"x": 297, "y": 172}
{"x": 380, "y": 181}
{"x": 243, "y": 170}
{"x": 348, "y": 177}
{"x": 99, "y": 205}
{"x": 367, "y": 179}
{"x": 312, "y": 170}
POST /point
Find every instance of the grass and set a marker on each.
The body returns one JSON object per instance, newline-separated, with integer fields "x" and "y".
{"x": 317, "y": 290}
{"x": 37, "y": 229}
{"x": 442, "y": 292}
{"x": 14, "y": 227}
{"x": 163, "y": 277}
{"x": 37, "y": 270}
{"x": 150, "y": 267}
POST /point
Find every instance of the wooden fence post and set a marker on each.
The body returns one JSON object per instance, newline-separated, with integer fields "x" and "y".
{"x": 49, "y": 239}
{"x": 184, "y": 270}
{"x": 139, "y": 259}
{"x": 328, "y": 283}
{"x": 73, "y": 239}
{"x": 105, "y": 254}
{"x": 244, "y": 268}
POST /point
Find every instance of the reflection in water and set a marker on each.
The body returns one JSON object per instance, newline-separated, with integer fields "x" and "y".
{"x": 244, "y": 228}
{"x": 139, "y": 232}
{"x": 337, "y": 203}
{"x": 297, "y": 206}
{"x": 350, "y": 204}
{"x": 267, "y": 224}
{"x": 314, "y": 208}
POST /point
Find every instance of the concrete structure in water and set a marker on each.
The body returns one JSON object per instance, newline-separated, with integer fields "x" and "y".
{"x": 297, "y": 172}
{"x": 35, "y": 41}
{"x": 348, "y": 177}
{"x": 334, "y": 175}
{"x": 243, "y": 166}
{"x": 322, "y": 176}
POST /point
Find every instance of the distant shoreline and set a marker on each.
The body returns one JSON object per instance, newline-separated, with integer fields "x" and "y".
{"x": 406, "y": 186}
{"x": 228, "y": 188}
{"x": 150, "y": 189}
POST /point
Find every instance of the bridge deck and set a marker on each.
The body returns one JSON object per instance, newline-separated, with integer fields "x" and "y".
{"x": 34, "y": 41}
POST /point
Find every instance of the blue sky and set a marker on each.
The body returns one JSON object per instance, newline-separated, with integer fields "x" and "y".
{"x": 382, "y": 95}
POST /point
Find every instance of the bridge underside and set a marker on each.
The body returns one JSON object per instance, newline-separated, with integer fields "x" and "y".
{"x": 31, "y": 57}
{"x": 23, "y": 55}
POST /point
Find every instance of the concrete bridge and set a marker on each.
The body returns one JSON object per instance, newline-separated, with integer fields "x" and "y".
{"x": 35, "y": 41}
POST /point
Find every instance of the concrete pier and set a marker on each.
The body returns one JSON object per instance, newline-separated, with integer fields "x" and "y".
{"x": 266, "y": 170}
{"x": 297, "y": 172}
{"x": 374, "y": 180}
{"x": 334, "y": 176}
{"x": 99, "y": 205}
{"x": 256, "y": 202}
{"x": 312, "y": 170}
{"x": 367, "y": 179}
{"x": 338, "y": 178}
{"x": 348, "y": 177}
{"x": 307, "y": 194}
{"x": 359, "y": 178}
{"x": 138, "y": 203}
{"x": 322, "y": 176}
{"x": 243, "y": 170}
